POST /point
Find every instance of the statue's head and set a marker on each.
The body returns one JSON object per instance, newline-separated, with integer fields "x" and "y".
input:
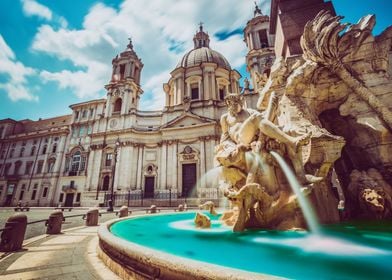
{"x": 234, "y": 102}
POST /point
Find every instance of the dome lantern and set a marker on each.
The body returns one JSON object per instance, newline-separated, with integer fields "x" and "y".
{"x": 201, "y": 39}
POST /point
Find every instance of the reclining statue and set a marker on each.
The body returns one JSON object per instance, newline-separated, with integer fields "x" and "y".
{"x": 247, "y": 167}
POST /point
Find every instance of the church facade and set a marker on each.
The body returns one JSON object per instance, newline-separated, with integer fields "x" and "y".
{"x": 110, "y": 146}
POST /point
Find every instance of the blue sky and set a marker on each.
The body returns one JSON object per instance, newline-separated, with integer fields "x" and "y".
{"x": 57, "y": 53}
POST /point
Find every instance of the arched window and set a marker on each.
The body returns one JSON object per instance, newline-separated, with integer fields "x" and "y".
{"x": 105, "y": 184}
{"x": 54, "y": 148}
{"x": 75, "y": 163}
{"x": 117, "y": 105}
{"x": 12, "y": 153}
{"x": 44, "y": 149}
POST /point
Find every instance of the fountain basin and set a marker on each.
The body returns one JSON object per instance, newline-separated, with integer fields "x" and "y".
{"x": 166, "y": 246}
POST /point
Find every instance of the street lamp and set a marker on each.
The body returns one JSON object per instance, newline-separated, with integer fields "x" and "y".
{"x": 110, "y": 209}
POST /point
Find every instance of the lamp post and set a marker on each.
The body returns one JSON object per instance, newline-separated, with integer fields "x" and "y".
{"x": 110, "y": 209}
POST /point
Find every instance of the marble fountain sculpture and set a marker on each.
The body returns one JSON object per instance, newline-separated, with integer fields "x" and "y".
{"x": 317, "y": 147}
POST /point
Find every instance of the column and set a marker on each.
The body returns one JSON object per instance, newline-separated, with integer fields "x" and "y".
{"x": 203, "y": 181}
{"x": 205, "y": 85}
{"x": 125, "y": 104}
{"x": 117, "y": 169}
{"x": 201, "y": 91}
{"x": 188, "y": 89}
{"x": 251, "y": 41}
{"x": 107, "y": 105}
{"x": 139, "y": 172}
{"x": 163, "y": 166}
{"x": 90, "y": 166}
{"x": 181, "y": 90}
{"x": 174, "y": 162}
{"x": 59, "y": 154}
{"x": 213, "y": 86}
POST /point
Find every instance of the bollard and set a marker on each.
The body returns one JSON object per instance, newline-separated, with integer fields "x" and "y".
{"x": 54, "y": 222}
{"x": 92, "y": 217}
{"x": 110, "y": 204}
{"x": 153, "y": 209}
{"x": 13, "y": 234}
{"x": 123, "y": 212}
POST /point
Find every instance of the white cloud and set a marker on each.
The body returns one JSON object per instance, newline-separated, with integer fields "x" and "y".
{"x": 155, "y": 27}
{"x": 15, "y": 73}
{"x": 33, "y": 8}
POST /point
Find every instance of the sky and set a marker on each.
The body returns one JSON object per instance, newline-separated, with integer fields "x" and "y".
{"x": 57, "y": 53}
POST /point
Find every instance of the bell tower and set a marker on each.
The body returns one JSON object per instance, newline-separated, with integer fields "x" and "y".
{"x": 123, "y": 90}
{"x": 260, "y": 43}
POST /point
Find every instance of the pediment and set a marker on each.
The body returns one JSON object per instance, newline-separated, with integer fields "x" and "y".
{"x": 188, "y": 120}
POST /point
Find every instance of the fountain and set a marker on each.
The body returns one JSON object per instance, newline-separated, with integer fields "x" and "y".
{"x": 274, "y": 166}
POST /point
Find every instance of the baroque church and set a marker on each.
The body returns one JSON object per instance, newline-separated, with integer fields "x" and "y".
{"x": 110, "y": 146}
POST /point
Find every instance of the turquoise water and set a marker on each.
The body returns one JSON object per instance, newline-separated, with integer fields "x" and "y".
{"x": 346, "y": 251}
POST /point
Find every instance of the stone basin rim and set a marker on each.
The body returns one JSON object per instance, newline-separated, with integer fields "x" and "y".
{"x": 132, "y": 259}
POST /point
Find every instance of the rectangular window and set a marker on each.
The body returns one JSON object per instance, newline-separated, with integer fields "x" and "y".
{"x": 28, "y": 167}
{"x": 45, "y": 193}
{"x": 75, "y": 131}
{"x": 122, "y": 71}
{"x": 2, "y": 155}
{"x": 195, "y": 93}
{"x": 78, "y": 197}
{"x": 34, "y": 195}
{"x": 263, "y": 38}
{"x": 221, "y": 94}
{"x": 7, "y": 169}
{"x": 18, "y": 164}
{"x": 61, "y": 197}
{"x": 82, "y": 131}
{"x": 108, "y": 161}
{"x": 21, "y": 195}
{"x": 91, "y": 112}
{"x": 40, "y": 166}
{"x": 84, "y": 114}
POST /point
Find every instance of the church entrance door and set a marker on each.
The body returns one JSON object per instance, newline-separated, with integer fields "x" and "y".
{"x": 188, "y": 179}
{"x": 149, "y": 186}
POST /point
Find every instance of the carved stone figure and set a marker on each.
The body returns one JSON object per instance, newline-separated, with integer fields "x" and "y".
{"x": 202, "y": 221}
{"x": 210, "y": 206}
{"x": 370, "y": 194}
{"x": 247, "y": 138}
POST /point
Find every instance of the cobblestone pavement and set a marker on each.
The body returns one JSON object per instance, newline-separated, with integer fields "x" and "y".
{"x": 36, "y": 214}
{"x": 70, "y": 255}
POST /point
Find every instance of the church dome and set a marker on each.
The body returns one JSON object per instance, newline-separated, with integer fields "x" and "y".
{"x": 202, "y": 53}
